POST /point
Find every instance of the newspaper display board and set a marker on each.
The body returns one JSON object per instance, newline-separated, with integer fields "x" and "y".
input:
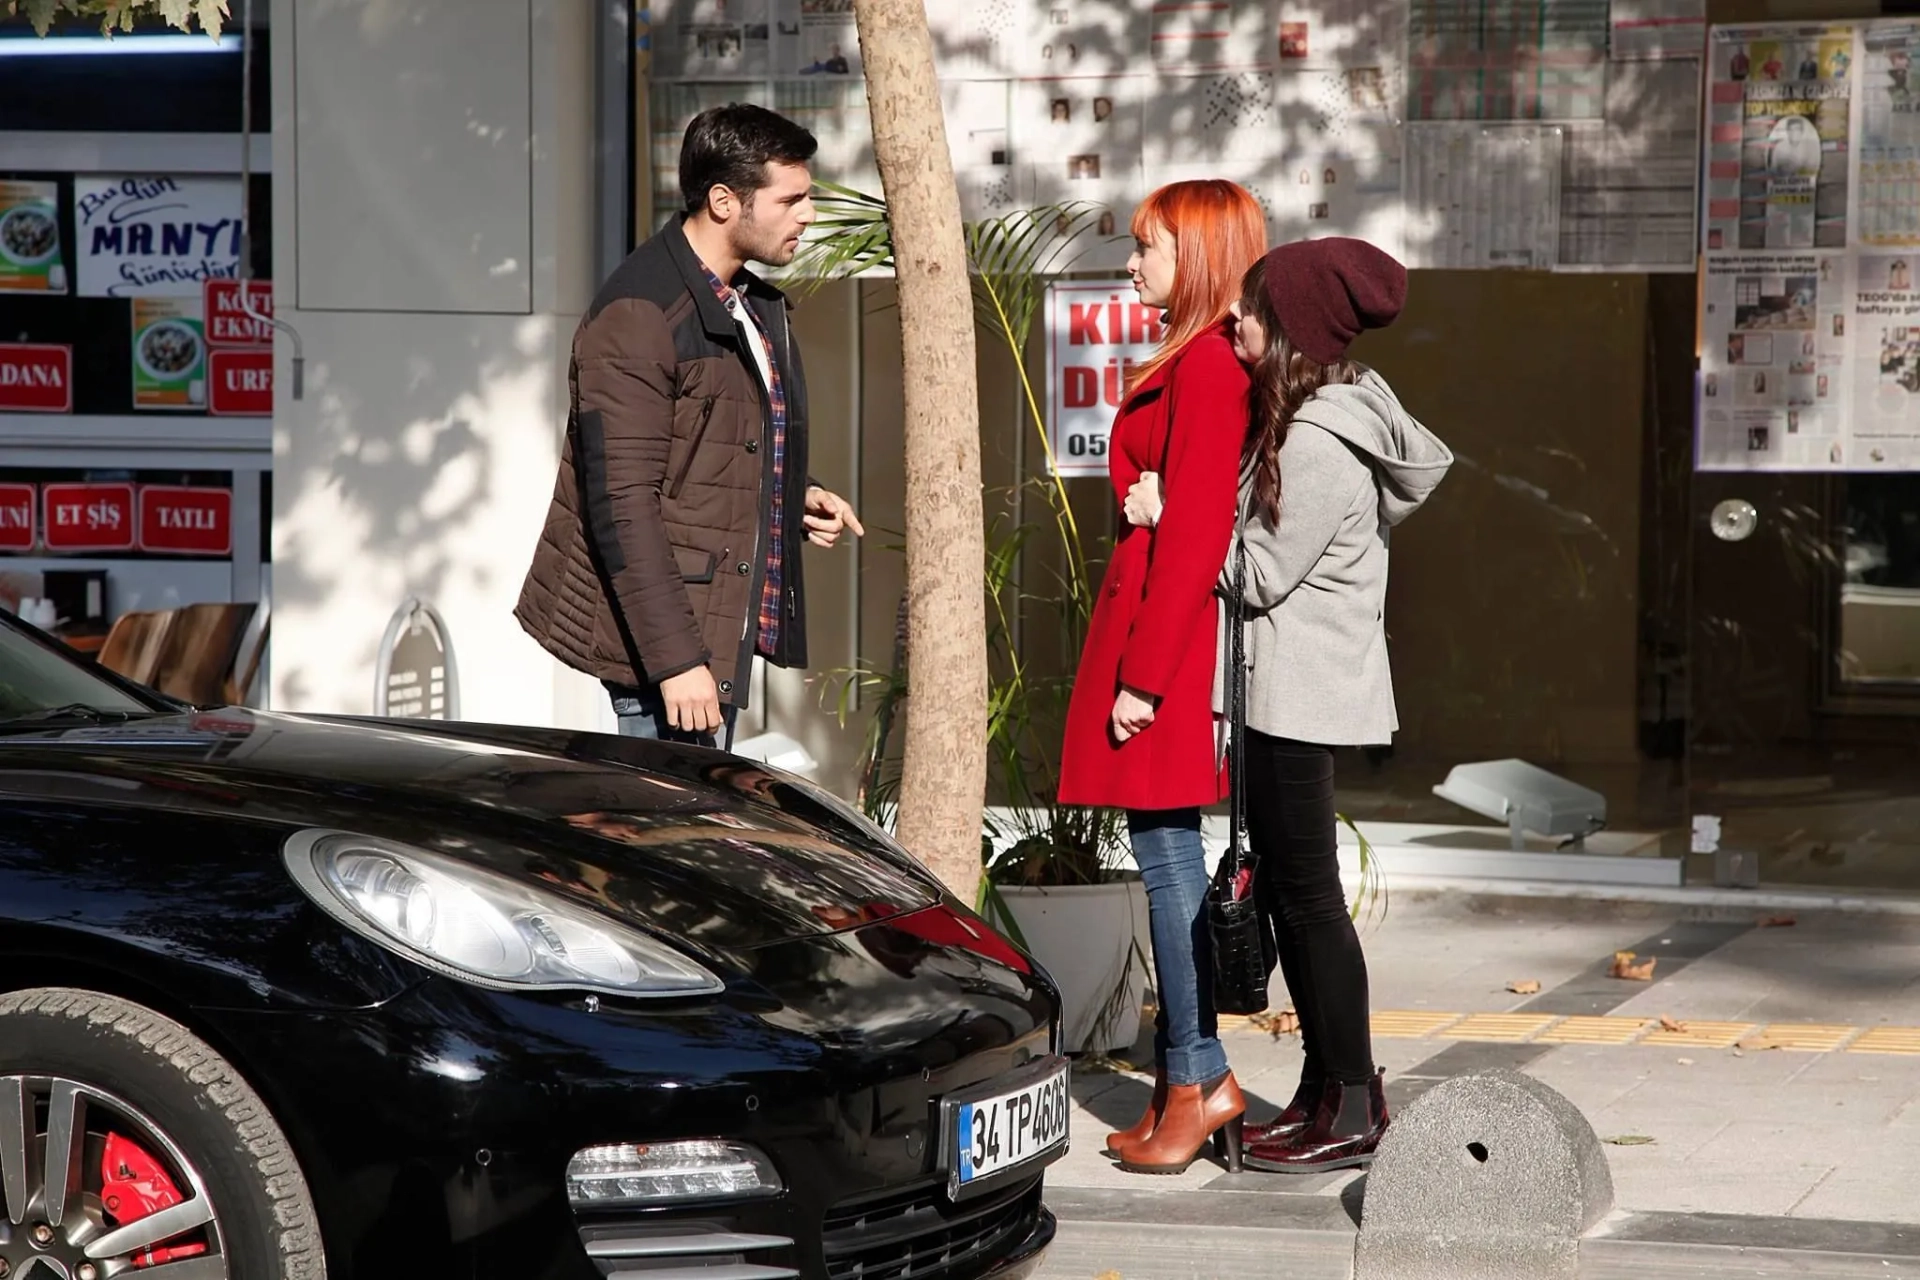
{"x": 1810, "y": 228}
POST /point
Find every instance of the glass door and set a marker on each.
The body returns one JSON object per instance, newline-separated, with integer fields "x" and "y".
{"x": 1804, "y": 726}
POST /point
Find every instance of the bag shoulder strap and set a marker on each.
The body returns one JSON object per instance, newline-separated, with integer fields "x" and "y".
{"x": 1237, "y": 699}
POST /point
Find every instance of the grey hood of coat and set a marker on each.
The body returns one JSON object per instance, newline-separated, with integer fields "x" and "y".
{"x": 1409, "y": 460}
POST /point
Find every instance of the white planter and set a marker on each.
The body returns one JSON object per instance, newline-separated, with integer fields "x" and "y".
{"x": 1093, "y": 939}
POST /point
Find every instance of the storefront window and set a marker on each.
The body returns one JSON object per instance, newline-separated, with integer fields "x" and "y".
{"x": 136, "y": 378}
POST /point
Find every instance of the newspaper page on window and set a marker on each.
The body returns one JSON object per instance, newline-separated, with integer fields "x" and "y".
{"x": 1810, "y": 223}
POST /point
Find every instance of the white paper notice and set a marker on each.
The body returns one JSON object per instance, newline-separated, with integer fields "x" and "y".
{"x": 834, "y": 110}
{"x": 712, "y": 39}
{"x": 1199, "y": 119}
{"x": 1081, "y": 38}
{"x": 1770, "y": 370}
{"x": 1885, "y": 351}
{"x": 1888, "y": 148}
{"x": 816, "y": 38}
{"x": 979, "y": 134}
{"x": 1340, "y": 170}
{"x": 978, "y": 39}
{"x": 1483, "y": 196}
{"x": 1335, "y": 34}
{"x": 1629, "y": 194}
{"x": 1213, "y": 35}
{"x": 1494, "y": 60}
{"x": 1655, "y": 29}
{"x": 1081, "y": 138}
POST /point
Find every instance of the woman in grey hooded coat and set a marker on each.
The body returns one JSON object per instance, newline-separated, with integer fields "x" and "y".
{"x": 1332, "y": 464}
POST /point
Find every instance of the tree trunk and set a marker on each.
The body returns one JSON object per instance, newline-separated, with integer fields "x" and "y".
{"x": 943, "y": 776}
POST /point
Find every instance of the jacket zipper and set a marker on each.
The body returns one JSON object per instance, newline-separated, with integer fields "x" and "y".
{"x": 693, "y": 447}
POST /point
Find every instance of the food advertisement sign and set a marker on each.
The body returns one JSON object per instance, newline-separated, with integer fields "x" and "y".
{"x": 31, "y": 260}
{"x": 153, "y": 236}
{"x": 169, "y": 354}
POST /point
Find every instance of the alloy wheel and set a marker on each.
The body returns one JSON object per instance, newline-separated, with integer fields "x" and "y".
{"x": 94, "y": 1188}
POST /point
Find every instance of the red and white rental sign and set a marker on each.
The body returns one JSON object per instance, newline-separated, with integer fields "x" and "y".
{"x": 240, "y": 383}
{"x": 1097, "y": 331}
{"x": 87, "y": 517}
{"x": 228, "y": 324}
{"x": 36, "y": 377}
{"x": 16, "y": 516}
{"x": 176, "y": 520}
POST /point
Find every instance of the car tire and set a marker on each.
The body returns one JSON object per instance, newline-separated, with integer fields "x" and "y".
{"x": 268, "y": 1224}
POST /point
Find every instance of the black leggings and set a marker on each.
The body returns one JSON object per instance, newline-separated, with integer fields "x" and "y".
{"x": 1291, "y": 827}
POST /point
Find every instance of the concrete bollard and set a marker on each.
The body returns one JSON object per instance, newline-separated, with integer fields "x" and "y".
{"x": 1484, "y": 1177}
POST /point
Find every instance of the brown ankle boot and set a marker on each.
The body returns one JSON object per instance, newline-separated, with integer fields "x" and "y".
{"x": 1117, "y": 1143}
{"x": 1194, "y": 1113}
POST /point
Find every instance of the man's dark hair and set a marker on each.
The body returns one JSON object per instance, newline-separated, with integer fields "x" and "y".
{"x": 732, "y": 146}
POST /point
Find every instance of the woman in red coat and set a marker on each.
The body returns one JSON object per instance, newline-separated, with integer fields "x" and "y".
{"x": 1140, "y": 727}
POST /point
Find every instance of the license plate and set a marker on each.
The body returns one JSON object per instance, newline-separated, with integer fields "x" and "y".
{"x": 1014, "y": 1123}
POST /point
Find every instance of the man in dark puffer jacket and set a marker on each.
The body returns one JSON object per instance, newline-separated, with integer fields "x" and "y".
{"x": 671, "y": 552}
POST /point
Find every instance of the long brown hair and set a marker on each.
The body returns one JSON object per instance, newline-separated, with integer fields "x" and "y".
{"x": 1217, "y": 227}
{"x": 1283, "y": 380}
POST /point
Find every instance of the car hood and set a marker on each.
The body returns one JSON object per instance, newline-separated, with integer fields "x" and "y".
{"x": 725, "y": 853}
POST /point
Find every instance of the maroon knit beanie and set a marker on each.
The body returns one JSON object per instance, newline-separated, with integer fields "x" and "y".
{"x": 1326, "y": 291}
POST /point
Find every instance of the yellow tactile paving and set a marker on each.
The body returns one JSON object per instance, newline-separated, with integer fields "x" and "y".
{"x": 1405, "y": 1024}
{"x": 1807, "y": 1037}
{"x": 1697, "y": 1034}
{"x": 1500, "y": 1027}
{"x": 1546, "y": 1028}
{"x": 1904, "y": 1040}
{"x": 1585, "y": 1030}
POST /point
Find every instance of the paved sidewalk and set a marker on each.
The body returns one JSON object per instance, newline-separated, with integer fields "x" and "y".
{"x": 1763, "y": 1088}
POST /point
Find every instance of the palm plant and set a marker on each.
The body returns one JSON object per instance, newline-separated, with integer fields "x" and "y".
{"x": 1009, "y": 261}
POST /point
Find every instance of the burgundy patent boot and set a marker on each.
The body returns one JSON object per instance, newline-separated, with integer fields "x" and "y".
{"x": 1345, "y": 1132}
{"x": 1297, "y": 1116}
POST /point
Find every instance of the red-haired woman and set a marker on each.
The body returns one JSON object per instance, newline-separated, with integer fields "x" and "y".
{"x": 1140, "y": 731}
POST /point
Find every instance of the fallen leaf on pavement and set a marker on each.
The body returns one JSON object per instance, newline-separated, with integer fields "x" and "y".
{"x": 1524, "y": 987}
{"x": 1624, "y": 967}
{"x": 1108, "y": 1275}
{"x": 1284, "y": 1023}
{"x": 1629, "y": 1140}
{"x": 1685, "y": 1062}
{"x": 1756, "y": 1041}
{"x": 1671, "y": 1024}
{"x": 1779, "y": 922}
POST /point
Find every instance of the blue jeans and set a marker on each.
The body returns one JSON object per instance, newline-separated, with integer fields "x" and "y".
{"x": 643, "y": 714}
{"x": 1166, "y": 845}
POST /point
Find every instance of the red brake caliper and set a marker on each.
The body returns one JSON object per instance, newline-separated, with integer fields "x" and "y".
{"x": 134, "y": 1186}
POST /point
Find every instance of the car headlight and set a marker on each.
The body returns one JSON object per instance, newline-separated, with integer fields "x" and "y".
{"x": 480, "y": 927}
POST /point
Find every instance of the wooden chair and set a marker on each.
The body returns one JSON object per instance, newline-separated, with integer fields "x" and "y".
{"x": 197, "y": 657}
{"x": 246, "y": 661}
{"x": 134, "y": 645}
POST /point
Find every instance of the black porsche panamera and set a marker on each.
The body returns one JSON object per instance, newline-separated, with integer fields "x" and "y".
{"x": 290, "y": 996}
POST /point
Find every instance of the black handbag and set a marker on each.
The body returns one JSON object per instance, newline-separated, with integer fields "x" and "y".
{"x": 1244, "y": 951}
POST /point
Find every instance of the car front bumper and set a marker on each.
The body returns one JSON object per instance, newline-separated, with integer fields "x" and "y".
{"x": 435, "y": 1131}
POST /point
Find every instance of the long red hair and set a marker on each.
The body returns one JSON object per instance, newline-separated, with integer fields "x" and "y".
{"x": 1218, "y": 232}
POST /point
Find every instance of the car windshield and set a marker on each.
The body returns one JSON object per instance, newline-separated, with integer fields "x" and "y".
{"x": 38, "y": 684}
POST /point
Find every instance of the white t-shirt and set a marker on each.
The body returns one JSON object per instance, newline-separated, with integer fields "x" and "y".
{"x": 762, "y": 359}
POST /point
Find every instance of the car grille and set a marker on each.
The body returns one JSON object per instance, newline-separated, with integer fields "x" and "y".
{"x": 687, "y": 1251}
{"x": 920, "y": 1235}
